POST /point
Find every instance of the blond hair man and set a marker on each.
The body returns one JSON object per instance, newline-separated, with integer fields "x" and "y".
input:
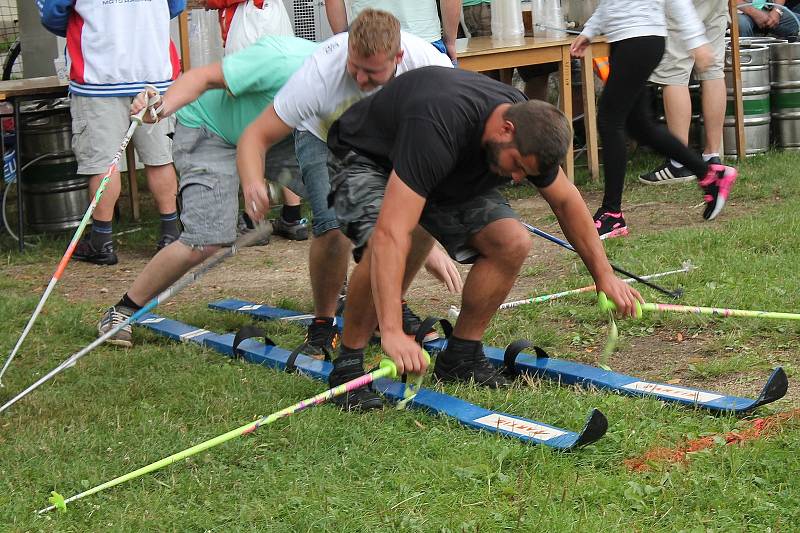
{"x": 345, "y": 69}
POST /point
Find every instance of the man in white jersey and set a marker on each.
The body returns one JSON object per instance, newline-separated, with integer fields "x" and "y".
{"x": 345, "y": 69}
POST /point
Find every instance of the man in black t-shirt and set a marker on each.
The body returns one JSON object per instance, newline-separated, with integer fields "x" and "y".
{"x": 423, "y": 157}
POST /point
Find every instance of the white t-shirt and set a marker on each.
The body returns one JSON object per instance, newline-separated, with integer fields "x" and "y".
{"x": 317, "y": 94}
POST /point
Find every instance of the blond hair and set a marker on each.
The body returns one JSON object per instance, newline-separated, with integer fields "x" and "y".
{"x": 374, "y": 32}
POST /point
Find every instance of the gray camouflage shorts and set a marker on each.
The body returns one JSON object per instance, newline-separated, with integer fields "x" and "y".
{"x": 357, "y": 188}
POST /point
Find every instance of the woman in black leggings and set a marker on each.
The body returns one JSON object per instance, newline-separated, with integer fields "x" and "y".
{"x": 636, "y": 30}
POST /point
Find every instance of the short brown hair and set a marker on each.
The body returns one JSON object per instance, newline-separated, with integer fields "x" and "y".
{"x": 542, "y": 130}
{"x": 375, "y": 31}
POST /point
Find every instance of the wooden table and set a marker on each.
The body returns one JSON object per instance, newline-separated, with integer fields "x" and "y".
{"x": 485, "y": 53}
{"x": 17, "y": 91}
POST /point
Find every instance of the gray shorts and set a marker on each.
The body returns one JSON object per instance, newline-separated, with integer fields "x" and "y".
{"x": 676, "y": 66}
{"x": 100, "y": 123}
{"x": 357, "y": 189}
{"x": 208, "y": 188}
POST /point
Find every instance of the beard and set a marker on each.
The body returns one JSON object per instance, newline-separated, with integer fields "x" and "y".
{"x": 493, "y": 149}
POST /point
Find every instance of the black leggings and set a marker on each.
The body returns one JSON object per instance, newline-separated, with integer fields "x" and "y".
{"x": 625, "y": 105}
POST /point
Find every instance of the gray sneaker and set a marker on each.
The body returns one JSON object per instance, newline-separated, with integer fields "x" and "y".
{"x": 294, "y": 231}
{"x": 245, "y": 225}
{"x": 112, "y": 318}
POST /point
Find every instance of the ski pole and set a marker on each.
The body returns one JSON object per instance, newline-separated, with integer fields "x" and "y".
{"x": 136, "y": 121}
{"x": 606, "y": 304}
{"x": 687, "y": 266}
{"x": 386, "y": 369}
{"x": 536, "y": 231}
{"x": 248, "y": 238}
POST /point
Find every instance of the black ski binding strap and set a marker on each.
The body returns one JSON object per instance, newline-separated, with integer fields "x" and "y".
{"x": 513, "y": 350}
{"x": 248, "y": 332}
{"x": 290, "y": 366}
{"x": 427, "y": 325}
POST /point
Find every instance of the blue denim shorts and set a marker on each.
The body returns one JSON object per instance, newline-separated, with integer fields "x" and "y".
{"x": 312, "y": 156}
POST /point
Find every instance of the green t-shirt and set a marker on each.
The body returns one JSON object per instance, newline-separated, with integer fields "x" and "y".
{"x": 467, "y": 3}
{"x": 253, "y": 76}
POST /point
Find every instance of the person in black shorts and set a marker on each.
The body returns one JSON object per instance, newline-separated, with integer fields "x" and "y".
{"x": 415, "y": 161}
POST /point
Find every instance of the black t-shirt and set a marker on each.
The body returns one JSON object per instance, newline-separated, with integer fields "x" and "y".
{"x": 427, "y": 125}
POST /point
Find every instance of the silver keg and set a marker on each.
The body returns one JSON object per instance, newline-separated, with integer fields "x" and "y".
{"x": 755, "y": 99}
{"x": 55, "y": 196}
{"x": 785, "y": 97}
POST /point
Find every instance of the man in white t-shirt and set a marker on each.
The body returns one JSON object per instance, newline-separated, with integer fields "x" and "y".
{"x": 346, "y": 68}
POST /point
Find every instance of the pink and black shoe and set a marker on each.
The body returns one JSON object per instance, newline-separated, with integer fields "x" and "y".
{"x": 610, "y": 224}
{"x": 717, "y": 185}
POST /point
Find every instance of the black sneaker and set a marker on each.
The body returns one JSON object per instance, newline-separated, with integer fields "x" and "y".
{"x": 106, "y": 255}
{"x": 667, "y": 173}
{"x": 294, "y": 231}
{"x": 362, "y": 399}
{"x": 244, "y": 225}
{"x": 610, "y": 224}
{"x": 412, "y": 322}
{"x": 469, "y": 368}
{"x": 322, "y": 339}
{"x": 111, "y": 319}
{"x": 165, "y": 241}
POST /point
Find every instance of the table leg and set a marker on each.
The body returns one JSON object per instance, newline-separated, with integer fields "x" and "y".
{"x": 590, "y": 114}
{"x": 565, "y": 88}
{"x": 20, "y": 215}
{"x": 133, "y": 185}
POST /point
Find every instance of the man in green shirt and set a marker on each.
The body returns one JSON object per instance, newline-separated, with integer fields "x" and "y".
{"x": 213, "y": 105}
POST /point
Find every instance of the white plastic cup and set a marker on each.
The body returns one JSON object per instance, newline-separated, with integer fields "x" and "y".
{"x": 60, "y": 63}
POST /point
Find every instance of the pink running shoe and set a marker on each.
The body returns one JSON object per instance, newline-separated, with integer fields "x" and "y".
{"x": 717, "y": 185}
{"x": 610, "y": 224}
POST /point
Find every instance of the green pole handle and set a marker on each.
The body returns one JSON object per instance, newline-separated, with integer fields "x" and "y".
{"x": 607, "y": 305}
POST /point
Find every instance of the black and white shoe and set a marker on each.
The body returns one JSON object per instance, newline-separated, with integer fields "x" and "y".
{"x": 111, "y": 319}
{"x": 667, "y": 173}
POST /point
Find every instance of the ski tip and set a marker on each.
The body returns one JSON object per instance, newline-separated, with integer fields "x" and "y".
{"x": 776, "y": 387}
{"x": 596, "y": 426}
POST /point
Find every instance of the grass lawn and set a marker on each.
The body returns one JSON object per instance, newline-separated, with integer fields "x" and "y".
{"x": 325, "y": 470}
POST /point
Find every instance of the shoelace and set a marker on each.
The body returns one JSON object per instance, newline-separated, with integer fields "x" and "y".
{"x": 118, "y": 318}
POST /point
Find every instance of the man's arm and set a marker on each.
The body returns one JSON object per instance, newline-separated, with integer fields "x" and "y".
{"x": 55, "y": 15}
{"x": 451, "y": 17}
{"x": 337, "y": 15}
{"x": 574, "y": 219}
{"x": 389, "y": 247}
{"x": 251, "y": 152}
{"x": 176, "y": 7}
{"x": 189, "y": 87}
{"x": 759, "y": 16}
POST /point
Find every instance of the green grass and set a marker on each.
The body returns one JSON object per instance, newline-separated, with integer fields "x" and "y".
{"x": 326, "y": 470}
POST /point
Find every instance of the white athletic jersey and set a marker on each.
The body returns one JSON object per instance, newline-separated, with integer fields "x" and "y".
{"x": 317, "y": 94}
{"x": 626, "y": 19}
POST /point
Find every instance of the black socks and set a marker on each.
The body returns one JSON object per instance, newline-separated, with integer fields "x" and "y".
{"x": 127, "y": 302}
{"x": 459, "y": 349}
{"x": 101, "y": 234}
{"x": 349, "y": 365}
{"x": 290, "y": 213}
{"x": 169, "y": 224}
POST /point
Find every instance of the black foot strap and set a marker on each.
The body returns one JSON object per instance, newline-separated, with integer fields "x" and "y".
{"x": 427, "y": 325}
{"x": 249, "y": 332}
{"x": 290, "y": 361}
{"x": 513, "y": 350}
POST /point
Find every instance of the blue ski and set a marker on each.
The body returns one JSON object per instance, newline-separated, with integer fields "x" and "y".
{"x": 569, "y": 372}
{"x": 469, "y": 414}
